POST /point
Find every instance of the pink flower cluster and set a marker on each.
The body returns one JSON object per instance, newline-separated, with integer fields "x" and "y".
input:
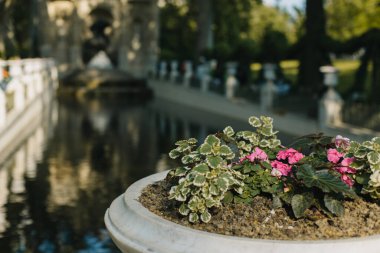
{"x": 342, "y": 165}
{"x": 280, "y": 168}
{"x": 258, "y": 154}
{"x": 289, "y": 156}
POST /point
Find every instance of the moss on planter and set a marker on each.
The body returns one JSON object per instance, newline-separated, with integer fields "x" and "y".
{"x": 259, "y": 221}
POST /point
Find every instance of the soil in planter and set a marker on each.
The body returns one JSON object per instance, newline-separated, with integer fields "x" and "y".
{"x": 259, "y": 221}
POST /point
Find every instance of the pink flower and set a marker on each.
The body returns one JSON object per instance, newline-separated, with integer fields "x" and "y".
{"x": 291, "y": 154}
{"x": 347, "y": 180}
{"x": 295, "y": 158}
{"x": 258, "y": 154}
{"x": 347, "y": 161}
{"x": 344, "y": 166}
{"x": 282, "y": 155}
{"x": 343, "y": 170}
{"x": 342, "y": 142}
{"x": 333, "y": 155}
{"x": 280, "y": 168}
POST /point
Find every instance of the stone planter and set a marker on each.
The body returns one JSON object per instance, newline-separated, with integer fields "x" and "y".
{"x": 135, "y": 229}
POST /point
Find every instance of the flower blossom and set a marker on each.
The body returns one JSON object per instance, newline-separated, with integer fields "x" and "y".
{"x": 291, "y": 154}
{"x": 342, "y": 142}
{"x": 258, "y": 154}
{"x": 344, "y": 166}
{"x": 333, "y": 155}
{"x": 347, "y": 180}
{"x": 280, "y": 169}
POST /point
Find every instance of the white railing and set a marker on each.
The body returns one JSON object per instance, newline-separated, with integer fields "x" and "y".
{"x": 330, "y": 105}
{"x": 22, "y": 82}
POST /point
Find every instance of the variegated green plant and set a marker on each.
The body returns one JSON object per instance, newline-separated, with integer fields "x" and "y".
{"x": 263, "y": 136}
{"x": 204, "y": 177}
{"x": 367, "y": 162}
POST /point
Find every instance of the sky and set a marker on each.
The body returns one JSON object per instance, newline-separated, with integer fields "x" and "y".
{"x": 287, "y": 4}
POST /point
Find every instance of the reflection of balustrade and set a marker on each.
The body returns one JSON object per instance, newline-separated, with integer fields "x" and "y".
{"x": 22, "y": 81}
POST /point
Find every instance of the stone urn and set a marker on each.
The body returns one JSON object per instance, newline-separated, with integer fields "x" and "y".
{"x": 135, "y": 229}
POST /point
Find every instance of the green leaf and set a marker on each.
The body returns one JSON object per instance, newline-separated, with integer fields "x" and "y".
{"x": 267, "y": 131}
{"x": 373, "y": 157}
{"x": 264, "y": 143}
{"x": 266, "y": 120}
{"x": 192, "y": 141}
{"x": 228, "y": 197}
{"x": 181, "y": 142}
{"x": 360, "y": 152}
{"x": 274, "y": 143}
{"x": 187, "y": 159}
{"x": 367, "y": 144}
{"x": 376, "y": 140}
{"x": 322, "y": 180}
{"x": 205, "y": 149}
{"x": 362, "y": 179}
{"x": 180, "y": 171}
{"x": 222, "y": 184}
{"x": 214, "y": 161}
{"x": 199, "y": 180}
{"x": 183, "y": 209}
{"x": 214, "y": 190}
{"x": 254, "y": 121}
{"x": 212, "y": 140}
{"x": 173, "y": 154}
{"x": 201, "y": 168}
{"x": 334, "y": 205}
{"x": 276, "y": 202}
{"x": 193, "y": 203}
{"x": 301, "y": 202}
{"x": 225, "y": 150}
{"x": 229, "y": 131}
{"x": 193, "y": 217}
{"x": 205, "y": 216}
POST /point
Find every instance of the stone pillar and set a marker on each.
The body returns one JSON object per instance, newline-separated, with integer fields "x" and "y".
{"x": 188, "y": 73}
{"x": 163, "y": 70}
{"x": 174, "y": 71}
{"x": 231, "y": 82}
{"x": 331, "y": 104}
{"x": 268, "y": 89}
{"x": 205, "y": 77}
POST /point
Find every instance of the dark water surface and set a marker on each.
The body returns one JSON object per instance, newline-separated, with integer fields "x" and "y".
{"x": 56, "y": 187}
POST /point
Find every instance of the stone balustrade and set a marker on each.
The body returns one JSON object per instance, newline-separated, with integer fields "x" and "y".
{"x": 188, "y": 75}
{"x": 22, "y": 82}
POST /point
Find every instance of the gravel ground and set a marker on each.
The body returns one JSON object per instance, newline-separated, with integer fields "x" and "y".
{"x": 259, "y": 221}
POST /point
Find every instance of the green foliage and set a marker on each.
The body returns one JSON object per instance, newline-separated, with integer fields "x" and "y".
{"x": 322, "y": 179}
{"x": 263, "y": 137}
{"x": 234, "y": 167}
{"x": 204, "y": 177}
{"x": 367, "y": 161}
{"x": 301, "y": 202}
{"x": 350, "y": 18}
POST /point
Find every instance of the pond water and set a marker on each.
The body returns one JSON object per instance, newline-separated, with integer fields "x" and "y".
{"x": 56, "y": 187}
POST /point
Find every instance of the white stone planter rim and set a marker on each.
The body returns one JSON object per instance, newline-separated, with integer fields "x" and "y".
{"x": 135, "y": 229}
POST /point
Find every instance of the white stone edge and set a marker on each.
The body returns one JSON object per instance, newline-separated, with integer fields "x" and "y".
{"x": 127, "y": 207}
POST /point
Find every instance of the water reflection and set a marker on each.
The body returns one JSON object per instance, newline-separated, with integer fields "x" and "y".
{"x": 55, "y": 188}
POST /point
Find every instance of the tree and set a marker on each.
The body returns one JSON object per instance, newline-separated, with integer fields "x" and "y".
{"x": 204, "y": 25}
{"x": 370, "y": 42}
{"x": 347, "y": 19}
{"x": 313, "y": 48}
